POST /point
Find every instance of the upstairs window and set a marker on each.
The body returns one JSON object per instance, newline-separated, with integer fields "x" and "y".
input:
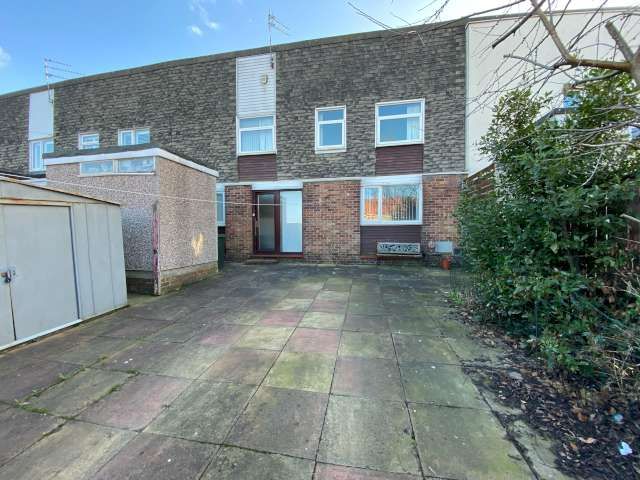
{"x": 88, "y": 141}
{"x": 36, "y": 149}
{"x": 331, "y": 129}
{"x": 399, "y": 123}
{"x": 394, "y": 203}
{"x": 256, "y": 135}
{"x": 136, "y": 136}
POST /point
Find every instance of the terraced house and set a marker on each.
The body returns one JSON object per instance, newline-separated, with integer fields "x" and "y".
{"x": 323, "y": 148}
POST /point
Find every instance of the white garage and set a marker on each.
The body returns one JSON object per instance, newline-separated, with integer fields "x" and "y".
{"x": 61, "y": 260}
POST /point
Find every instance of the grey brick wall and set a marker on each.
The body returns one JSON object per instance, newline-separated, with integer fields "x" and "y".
{"x": 190, "y": 105}
{"x": 14, "y": 133}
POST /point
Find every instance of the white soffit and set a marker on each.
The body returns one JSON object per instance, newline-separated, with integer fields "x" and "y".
{"x": 277, "y": 185}
{"x": 147, "y": 152}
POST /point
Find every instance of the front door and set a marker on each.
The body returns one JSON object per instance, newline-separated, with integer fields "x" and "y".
{"x": 278, "y": 222}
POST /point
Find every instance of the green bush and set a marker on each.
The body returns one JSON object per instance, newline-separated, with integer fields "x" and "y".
{"x": 548, "y": 245}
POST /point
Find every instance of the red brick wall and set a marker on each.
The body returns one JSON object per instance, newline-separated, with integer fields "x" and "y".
{"x": 331, "y": 221}
{"x": 239, "y": 222}
{"x": 440, "y": 194}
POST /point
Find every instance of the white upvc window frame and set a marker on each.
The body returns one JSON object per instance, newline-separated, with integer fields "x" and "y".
{"x": 114, "y": 169}
{"x": 407, "y": 115}
{"x": 379, "y": 183}
{"x": 331, "y": 148}
{"x": 239, "y": 130}
{"x": 32, "y": 161}
{"x": 82, "y": 146}
{"x": 221, "y": 222}
{"x": 133, "y": 132}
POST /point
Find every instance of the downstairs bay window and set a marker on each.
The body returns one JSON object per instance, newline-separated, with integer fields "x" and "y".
{"x": 391, "y": 201}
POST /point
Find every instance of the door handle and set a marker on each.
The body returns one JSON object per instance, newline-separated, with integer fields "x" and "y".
{"x": 8, "y": 275}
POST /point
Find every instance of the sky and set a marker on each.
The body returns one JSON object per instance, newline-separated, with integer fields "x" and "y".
{"x": 95, "y": 36}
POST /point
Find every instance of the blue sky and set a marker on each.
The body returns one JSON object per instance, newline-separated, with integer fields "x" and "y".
{"x": 96, "y": 36}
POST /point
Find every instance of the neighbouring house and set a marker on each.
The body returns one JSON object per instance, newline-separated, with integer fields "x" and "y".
{"x": 324, "y": 148}
{"x": 168, "y": 209}
{"x": 76, "y": 239}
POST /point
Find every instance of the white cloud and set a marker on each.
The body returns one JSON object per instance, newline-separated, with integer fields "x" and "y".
{"x": 199, "y": 7}
{"x": 5, "y": 58}
{"x": 196, "y": 30}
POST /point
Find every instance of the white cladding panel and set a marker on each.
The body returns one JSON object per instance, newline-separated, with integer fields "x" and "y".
{"x": 256, "y": 85}
{"x": 40, "y": 115}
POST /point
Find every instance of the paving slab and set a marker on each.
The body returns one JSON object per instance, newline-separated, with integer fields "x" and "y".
{"x": 75, "y": 452}
{"x": 52, "y": 346}
{"x": 337, "y": 472}
{"x": 241, "y": 365}
{"x": 168, "y": 308}
{"x": 70, "y": 397}
{"x": 138, "y": 357}
{"x": 375, "y": 378}
{"x": 204, "y": 412}
{"x": 328, "y": 306}
{"x": 420, "y": 348}
{"x": 20, "y": 429}
{"x": 281, "y": 421}
{"x": 366, "y": 323}
{"x": 333, "y": 296}
{"x": 156, "y": 457}
{"x": 135, "y": 328}
{"x": 311, "y": 372}
{"x": 222, "y": 334}
{"x": 243, "y": 317}
{"x": 367, "y": 345}
{"x": 366, "y": 433}
{"x": 325, "y": 320}
{"x": 313, "y": 340}
{"x": 137, "y": 403}
{"x": 208, "y": 315}
{"x": 283, "y": 318}
{"x": 178, "y": 332}
{"x": 186, "y": 360}
{"x": 472, "y": 352}
{"x": 239, "y": 464}
{"x": 18, "y": 383}
{"x": 414, "y": 325}
{"x": 440, "y": 384}
{"x": 90, "y": 351}
{"x": 481, "y": 448}
{"x": 301, "y": 304}
{"x": 366, "y": 308}
{"x": 265, "y": 338}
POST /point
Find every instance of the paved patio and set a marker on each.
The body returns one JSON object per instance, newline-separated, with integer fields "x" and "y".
{"x": 269, "y": 372}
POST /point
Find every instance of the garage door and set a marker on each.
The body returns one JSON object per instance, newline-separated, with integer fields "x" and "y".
{"x": 39, "y": 249}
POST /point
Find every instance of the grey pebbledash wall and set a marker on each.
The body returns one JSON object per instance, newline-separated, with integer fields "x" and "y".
{"x": 189, "y": 105}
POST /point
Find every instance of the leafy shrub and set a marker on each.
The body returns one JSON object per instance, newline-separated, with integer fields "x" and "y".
{"x": 548, "y": 245}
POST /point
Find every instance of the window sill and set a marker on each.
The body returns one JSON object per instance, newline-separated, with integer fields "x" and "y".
{"x": 250, "y": 154}
{"x": 320, "y": 151}
{"x": 116, "y": 174}
{"x": 398, "y": 144}
{"x": 390, "y": 224}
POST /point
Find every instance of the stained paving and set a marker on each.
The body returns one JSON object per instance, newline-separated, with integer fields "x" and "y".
{"x": 263, "y": 372}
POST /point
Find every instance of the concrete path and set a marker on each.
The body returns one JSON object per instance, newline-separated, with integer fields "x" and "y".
{"x": 270, "y": 372}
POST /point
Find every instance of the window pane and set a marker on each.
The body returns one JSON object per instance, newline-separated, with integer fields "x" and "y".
{"x": 399, "y": 202}
{"x": 330, "y": 134}
{"x": 126, "y": 137}
{"x": 48, "y": 146}
{"x": 256, "y": 122}
{"x": 256, "y": 141}
{"x": 137, "y": 165}
{"x": 325, "y": 115}
{"x": 142, "y": 136}
{"x": 220, "y": 207}
{"x": 96, "y": 168}
{"x": 89, "y": 141}
{"x": 371, "y": 203}
{"x": 401, "y": 109}
{"x": 36, "y": 156}
{"x": 400, "y": 129}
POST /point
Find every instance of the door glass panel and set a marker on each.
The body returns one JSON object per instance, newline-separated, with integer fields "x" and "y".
{"x": 291, "y": 221}
{"x": 266, "y": 222}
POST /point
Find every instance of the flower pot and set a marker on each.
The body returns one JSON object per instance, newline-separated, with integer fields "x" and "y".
{"x": 445, "y": 263}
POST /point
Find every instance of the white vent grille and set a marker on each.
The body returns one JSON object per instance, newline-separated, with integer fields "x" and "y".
{"x": 256, "y": 85}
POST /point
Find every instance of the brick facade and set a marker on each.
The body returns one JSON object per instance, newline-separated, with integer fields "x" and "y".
{"x": 440, "y": 194}
{"x": 239, "y": 222}
{"x": 331, "y": 221}
{"x": 14, "y": 134}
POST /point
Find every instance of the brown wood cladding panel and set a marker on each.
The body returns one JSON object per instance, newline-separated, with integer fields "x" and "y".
{"x": 257, "y": 167}
{"x": 399, "y": 160}
{"x": 371, "y": 235}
